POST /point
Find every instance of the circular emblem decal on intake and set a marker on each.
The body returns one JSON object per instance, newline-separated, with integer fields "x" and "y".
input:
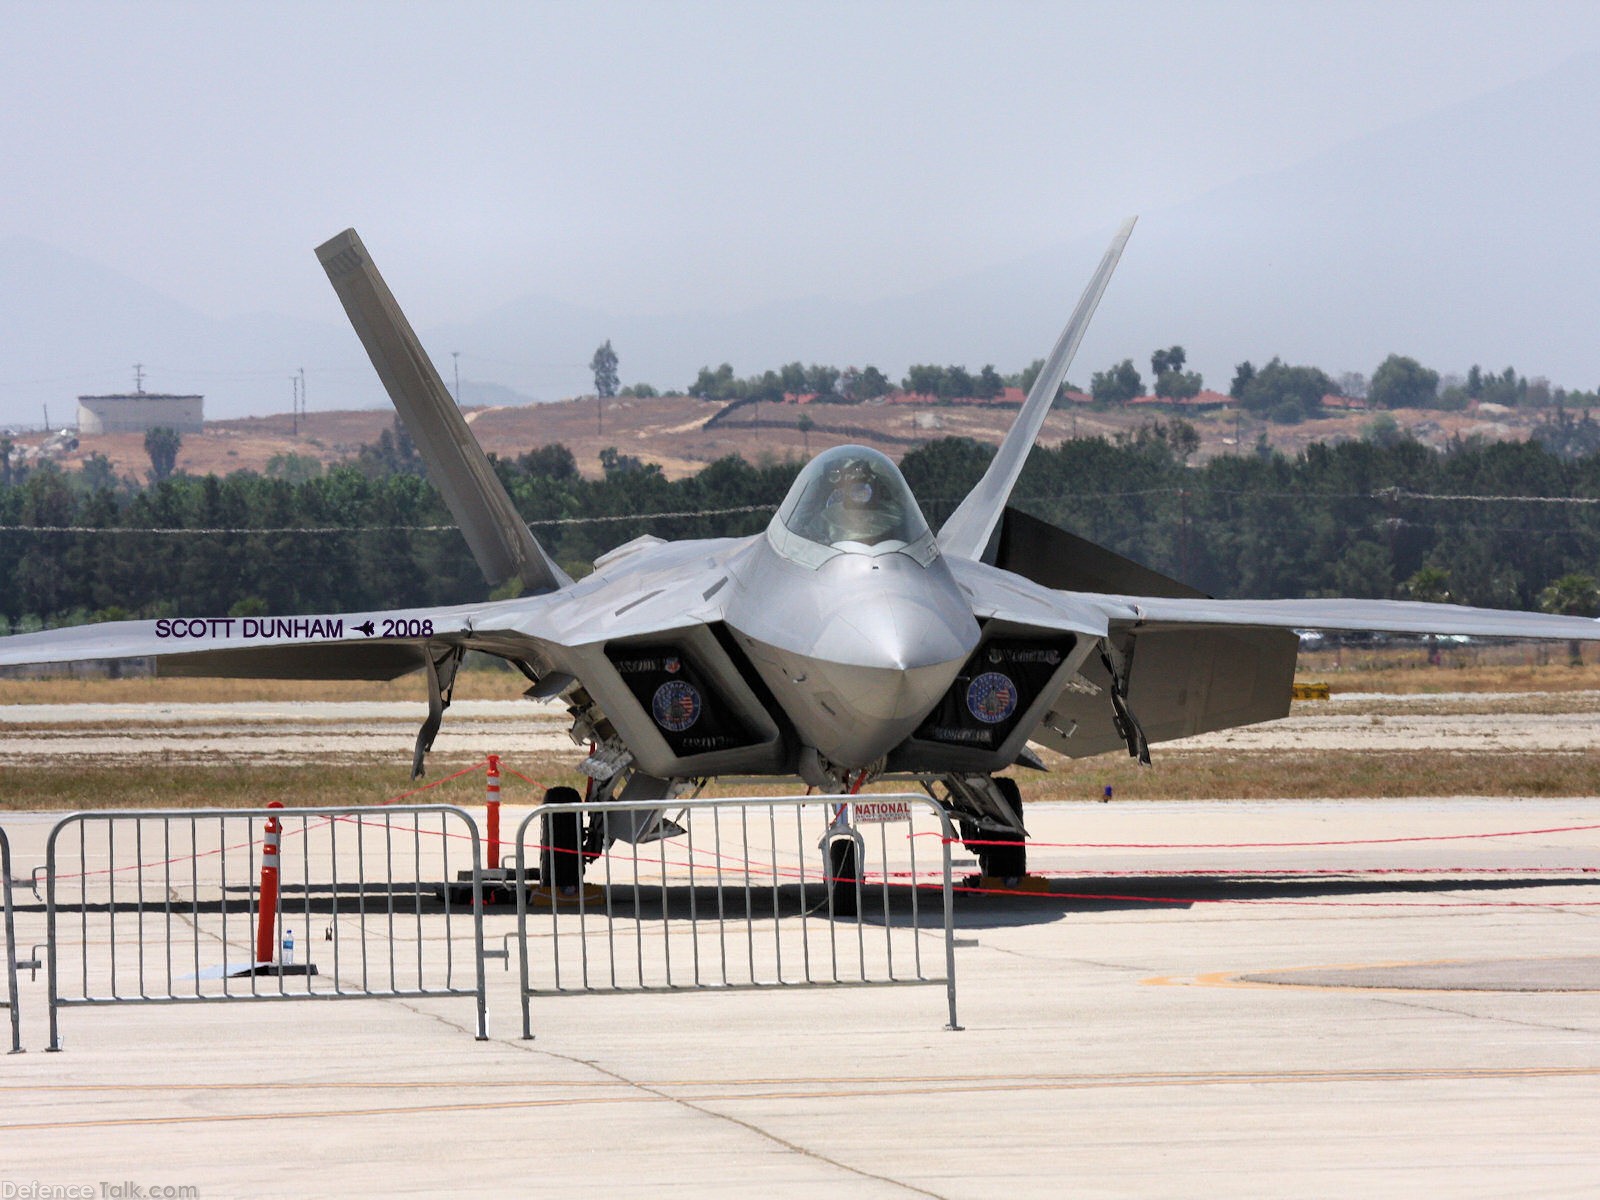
{"x": 675, "y": 706}
{"x": 991, "y": 697}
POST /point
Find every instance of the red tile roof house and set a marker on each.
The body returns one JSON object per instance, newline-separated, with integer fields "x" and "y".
{"x": 1201, "y": 399}
{"x": 1011, "y": 397}
{"x": 1344, "y": 403}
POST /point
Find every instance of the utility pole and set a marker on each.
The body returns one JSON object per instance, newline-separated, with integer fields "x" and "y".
{"x": 455, "y": 361}
{"x": 302, "y": 391}
{"x": 294, "y": 406}
{"x": 138, "y": 378}
{"x": 1183, "y": 534}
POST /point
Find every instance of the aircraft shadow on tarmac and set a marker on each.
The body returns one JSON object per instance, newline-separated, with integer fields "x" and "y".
{"x": 1168, "y": 892}
{"x": 974, "y": 909}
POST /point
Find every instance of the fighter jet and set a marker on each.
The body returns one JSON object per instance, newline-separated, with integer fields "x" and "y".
{"x": 848, "y": 642}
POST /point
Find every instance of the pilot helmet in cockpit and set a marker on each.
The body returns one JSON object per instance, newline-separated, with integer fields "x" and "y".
{"x": 859, "y": 507}
{"x": 852, "y": 499}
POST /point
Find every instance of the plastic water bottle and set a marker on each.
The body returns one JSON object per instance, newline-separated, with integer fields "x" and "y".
{"x": 288, "y": 947}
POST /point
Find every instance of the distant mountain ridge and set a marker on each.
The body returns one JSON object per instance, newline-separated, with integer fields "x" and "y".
{"x": 1465, "y": 236}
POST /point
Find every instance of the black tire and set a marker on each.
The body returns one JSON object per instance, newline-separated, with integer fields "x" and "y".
{"x": 844, "y": 876}
{"x": 1009, "y": 858}
{"x": 561, "y": 842}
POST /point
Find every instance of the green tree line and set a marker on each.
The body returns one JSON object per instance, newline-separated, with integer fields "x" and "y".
{"x": 1352, "y": 519}
{"x": 1276, "y": 391}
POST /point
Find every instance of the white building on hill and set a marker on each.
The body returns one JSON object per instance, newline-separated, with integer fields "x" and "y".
{"x": 137, "y": 412}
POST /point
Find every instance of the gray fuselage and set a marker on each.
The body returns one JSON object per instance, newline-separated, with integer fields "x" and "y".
{"x": 856, "y": 650}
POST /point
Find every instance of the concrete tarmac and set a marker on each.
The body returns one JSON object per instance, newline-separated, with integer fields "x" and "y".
{"x": 1196, "y": 1008}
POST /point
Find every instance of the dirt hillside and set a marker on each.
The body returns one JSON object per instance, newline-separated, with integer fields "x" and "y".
{"x": 671, "y": 431}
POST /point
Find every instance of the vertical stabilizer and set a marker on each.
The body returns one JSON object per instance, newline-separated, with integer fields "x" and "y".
{"x": 970, "y": 531}
{"x": 496, "y": 533}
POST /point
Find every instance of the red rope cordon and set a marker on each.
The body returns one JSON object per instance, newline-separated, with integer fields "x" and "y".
{"x": 1438, "y": 837}
{"x": 505, "y": 770}
{"x": 1103, "y": 897}
{"x": 370, "y": 824}
{"x": 481, "y": 764}
{"x": 287, "y": 833}
{"x": 1283, "y": 872}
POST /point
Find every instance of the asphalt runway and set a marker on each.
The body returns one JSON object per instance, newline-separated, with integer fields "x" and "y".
{"x": 1311, "y": 998}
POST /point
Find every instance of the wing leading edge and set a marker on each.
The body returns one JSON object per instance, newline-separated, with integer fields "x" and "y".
{"x": 1346, "y": 616}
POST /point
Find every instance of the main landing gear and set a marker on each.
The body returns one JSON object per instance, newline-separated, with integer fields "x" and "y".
{"x": 989, "y": 810}
{"x": 561, "y": 858}
{"x": 1005, "y": 856}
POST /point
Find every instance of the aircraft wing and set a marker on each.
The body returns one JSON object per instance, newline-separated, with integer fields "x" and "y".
{"x": 649, "y": 603}
{"x": 1182, "y": 666}
{"x": 372, "y": 645}
{"x": 658, "y": 588}
{"x": 1349, "y": 616}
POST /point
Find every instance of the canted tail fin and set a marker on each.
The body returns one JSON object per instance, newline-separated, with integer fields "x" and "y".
{"x": 971, "y": 530}
{"x": 497, "y": 535}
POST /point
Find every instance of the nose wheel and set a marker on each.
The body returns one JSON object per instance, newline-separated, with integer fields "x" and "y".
{"x": 842, "y": 849}
{"x": 844, "y": 876}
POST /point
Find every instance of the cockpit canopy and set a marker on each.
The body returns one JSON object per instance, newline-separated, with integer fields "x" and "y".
{"x": 850, "y": 500}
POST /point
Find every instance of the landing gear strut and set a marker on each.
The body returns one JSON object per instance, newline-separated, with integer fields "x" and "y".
{"x": 1007, "y": 860}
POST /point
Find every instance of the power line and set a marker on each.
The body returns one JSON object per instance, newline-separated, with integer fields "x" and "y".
{"x": 1398, "y": 494}
{"x": 334, "y": 529}
{"x": 690, "y": 514}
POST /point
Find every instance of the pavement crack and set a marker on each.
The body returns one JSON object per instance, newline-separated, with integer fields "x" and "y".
{"x": 1443, "y": 1008}
{"x": 749, "y": 1126}
{"x": 682, "y": 1102}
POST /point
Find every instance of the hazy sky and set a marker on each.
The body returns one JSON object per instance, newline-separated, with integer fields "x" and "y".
{"x": 660, "y": 157}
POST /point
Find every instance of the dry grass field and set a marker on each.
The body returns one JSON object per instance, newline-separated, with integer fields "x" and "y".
{"x": 149, "y": 689}
{"x": 1481, "y": 722}
{"x": 1401, "y": 669}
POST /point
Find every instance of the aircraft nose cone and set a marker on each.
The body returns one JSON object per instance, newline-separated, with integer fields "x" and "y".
{"x": 891, "y": 695}
{"x": 898, "y": 634}
{"x": 892, "y": 656}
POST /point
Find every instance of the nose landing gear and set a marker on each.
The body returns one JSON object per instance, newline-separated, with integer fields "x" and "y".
{"x": 844, "y": 850}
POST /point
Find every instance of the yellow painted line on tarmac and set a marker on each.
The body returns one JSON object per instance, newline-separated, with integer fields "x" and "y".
{"x": 1226, "y": 979}
{"x": 1235, "y": 979}
{"x": 727, "y": 1092}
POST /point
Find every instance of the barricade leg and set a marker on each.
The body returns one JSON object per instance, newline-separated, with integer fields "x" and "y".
{"x": 11, "y": 946}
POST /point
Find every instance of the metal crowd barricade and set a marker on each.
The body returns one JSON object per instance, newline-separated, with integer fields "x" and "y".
{"x": 163, "y": 907}
{"x": 11, "y": 945}
{"x": 740, "y": 897}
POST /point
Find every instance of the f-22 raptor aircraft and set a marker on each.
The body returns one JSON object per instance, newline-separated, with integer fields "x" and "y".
{"x": 847, "y": 642}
